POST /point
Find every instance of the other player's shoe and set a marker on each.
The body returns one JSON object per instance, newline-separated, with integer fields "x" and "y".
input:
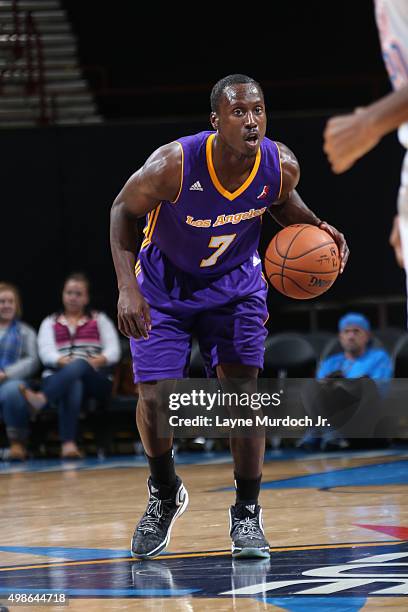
{"x": 152, "y": 533}
{"x": 247, "y": 533}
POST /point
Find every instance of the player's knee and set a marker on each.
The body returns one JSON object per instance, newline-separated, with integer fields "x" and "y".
{"x": 10, "y": 389}
{"x": 149, "y": 400}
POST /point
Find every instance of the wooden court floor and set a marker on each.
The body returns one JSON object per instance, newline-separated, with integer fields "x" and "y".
{"x": 337, "y": 525}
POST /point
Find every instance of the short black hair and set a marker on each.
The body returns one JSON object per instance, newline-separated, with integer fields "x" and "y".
{"x": 222, "y": 84}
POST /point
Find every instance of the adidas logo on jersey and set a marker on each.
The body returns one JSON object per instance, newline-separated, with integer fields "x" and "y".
{"x": 251, "y": 508}
{"x": 196, "y": 186}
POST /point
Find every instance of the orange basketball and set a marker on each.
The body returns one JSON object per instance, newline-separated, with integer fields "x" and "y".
{"x": 302, "y": 261}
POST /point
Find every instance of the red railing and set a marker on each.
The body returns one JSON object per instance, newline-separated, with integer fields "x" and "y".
{"x": 26, "y": 60}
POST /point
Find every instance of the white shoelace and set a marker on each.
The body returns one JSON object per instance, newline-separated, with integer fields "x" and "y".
{"x": 154, "y": 513}
{"x": 248, "y": 527}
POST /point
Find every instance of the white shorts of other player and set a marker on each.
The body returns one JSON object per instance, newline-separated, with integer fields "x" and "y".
{"x": 403, "y": 213}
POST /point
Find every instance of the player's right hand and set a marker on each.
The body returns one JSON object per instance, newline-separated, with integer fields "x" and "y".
{"x": 347, "y": 138}
{"x": 133, "y": 314}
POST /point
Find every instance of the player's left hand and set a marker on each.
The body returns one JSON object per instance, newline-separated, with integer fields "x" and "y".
{"x": 339, "y": 239}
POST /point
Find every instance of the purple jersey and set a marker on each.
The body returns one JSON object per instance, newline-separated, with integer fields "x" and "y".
{"x": 207, "y": 230}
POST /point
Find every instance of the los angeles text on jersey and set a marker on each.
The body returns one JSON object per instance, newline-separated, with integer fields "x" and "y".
{"x": 224, "y": 219}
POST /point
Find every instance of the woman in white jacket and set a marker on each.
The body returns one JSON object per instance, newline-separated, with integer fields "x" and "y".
{"x": 77, "y": 347}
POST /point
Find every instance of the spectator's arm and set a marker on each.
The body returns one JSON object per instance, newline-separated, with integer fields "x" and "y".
{"x": 109, "y": 339}
{"x": 29, "y": 362}
{"x": 381, "y": 371}
{"x": 328, "y": 366}
{"x": 47, "y": 347}
{"x": 381, "y": 368}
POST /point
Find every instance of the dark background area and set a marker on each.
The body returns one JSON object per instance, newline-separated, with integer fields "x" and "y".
{"x": 152, "y": 60}
{"x": 152, "y": 78}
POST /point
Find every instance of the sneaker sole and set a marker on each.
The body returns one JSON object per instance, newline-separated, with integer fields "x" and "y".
{"x": 251, "y": 553}
{"x": 156, "y": 551}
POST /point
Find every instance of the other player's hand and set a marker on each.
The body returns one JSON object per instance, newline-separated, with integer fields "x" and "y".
{"x": 339, "y": 239}
{"x": 133, "y": 314}
{"x": 347, "y": 138}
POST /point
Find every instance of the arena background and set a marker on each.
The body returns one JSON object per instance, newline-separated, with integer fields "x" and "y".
{"x": 152, "y": 78}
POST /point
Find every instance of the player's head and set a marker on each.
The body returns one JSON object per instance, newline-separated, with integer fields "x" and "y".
{"x": 354, "y": 333}
{"x": 75, "y": 294}
{"x": 10, "y": 302}
{"x": 238, "y": 113}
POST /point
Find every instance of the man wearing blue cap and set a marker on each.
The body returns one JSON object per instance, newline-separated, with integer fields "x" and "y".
{"x": 358, "y": 360}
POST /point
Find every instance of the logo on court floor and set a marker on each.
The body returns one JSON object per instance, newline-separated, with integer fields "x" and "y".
{"x": 348, "y": 573}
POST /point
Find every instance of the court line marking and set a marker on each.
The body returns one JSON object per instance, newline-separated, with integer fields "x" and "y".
{"x": 45, "y": 466}
{"x": 215, "y": 553}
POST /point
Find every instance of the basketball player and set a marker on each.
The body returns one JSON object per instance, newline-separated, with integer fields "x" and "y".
{"x": 198, "y": 269}
{"x": 349, "y": 137}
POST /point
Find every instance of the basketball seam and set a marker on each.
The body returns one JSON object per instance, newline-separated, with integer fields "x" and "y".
{"x": 287, "y": 251}
{"x": 299, "y": 286}
{"x": 311, "y": 250}
{"x": 303, "y": 289}
{"x": 296, "y": 270}
{"x": 293, "y": 238}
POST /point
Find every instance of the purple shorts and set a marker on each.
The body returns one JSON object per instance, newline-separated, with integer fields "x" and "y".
{"x": 227, "y": 314}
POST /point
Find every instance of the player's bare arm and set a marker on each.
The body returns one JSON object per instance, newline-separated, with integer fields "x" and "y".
{"x": 158, "y": 179}
{"x": 349, "y": 137}
{"x": 290, "y": 208}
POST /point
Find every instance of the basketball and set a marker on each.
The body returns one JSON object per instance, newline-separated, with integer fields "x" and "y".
{"x": 302, "y": 261}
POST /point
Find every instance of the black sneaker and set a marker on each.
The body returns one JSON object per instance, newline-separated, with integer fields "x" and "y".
{"x": 152, "y": 533}
{"x": 246, "y": 531}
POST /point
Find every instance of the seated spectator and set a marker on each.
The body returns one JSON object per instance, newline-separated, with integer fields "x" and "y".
{"x": 358, "y": 360}
{"x": 18, "y": 362}
{"x": 77, "y": 347}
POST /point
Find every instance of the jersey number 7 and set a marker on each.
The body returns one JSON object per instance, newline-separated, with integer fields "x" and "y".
{"x": 221, "y": 243}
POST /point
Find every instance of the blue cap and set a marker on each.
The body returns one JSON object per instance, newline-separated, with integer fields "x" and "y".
{"x": 354, "y": 318}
